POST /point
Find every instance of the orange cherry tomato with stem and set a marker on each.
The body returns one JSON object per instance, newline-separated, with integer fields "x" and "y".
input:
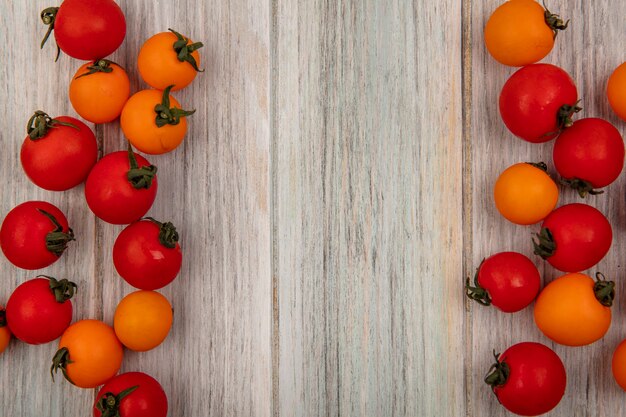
{"x": 5, "y": 334}
{"x": 616, "y": 91}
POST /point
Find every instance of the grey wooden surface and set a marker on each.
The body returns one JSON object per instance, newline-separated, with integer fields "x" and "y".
{"x": 333, "y": 190}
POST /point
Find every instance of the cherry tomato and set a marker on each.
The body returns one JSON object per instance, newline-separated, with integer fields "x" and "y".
{"x": 34, "y": 235}
{"x": 528, "y": 379}
{"x": 616, "y": 91}
{"x": 99, "y": 90}
{"x": 521, "y": 32}
{"x": 619, "y": 365}
{"x": 525, "y": 194}
{"x": 132, "y": 394}
{"x": 151, "y": 125}
{"x": 143, "y": 320}
{"x": 121, "y": 187}
{"x": 40, "y": 310}
{"x": 147, "y": 254}
{"x": 537, "y": 102}
{"x": 589, "y": 154}
{"x": 58, "y": 153}
{"x": 508, "y": 280}
{"x": 573, "y": 310}
{"x": 89, "y": 354}
{"x": 86, "y": 29}
{"x": 574, "y": 237}
{"x": 169, "y": 58}
{"x": 5, "y": 333}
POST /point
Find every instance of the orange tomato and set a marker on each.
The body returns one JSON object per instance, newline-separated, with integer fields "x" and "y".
{"x": 616, "y": 91}
{"x": 573, "y": 310}
{"x": 619, "y": 365}
{"x": 5, "y": 334}
{"x": 525, "y": 194}
{"x": 520, "y": 32}
{"x": 143, "y": 320}
{"x": 99, "y": 90}
{"x": 168, "y": 58}
{"x": 89, "y": 354}
{"x": 140, "y": 125}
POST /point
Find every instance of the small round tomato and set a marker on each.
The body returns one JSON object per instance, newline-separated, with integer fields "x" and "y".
{"x": 34, "y": 235}
{"x": 589, "y": 154}
{"x": 99, "y": 90}
{"x": 574, "y": 237}
{"x": 525, "y": 194}
{"x": 53, "y": 145}
{"x": 616, "y": 91}
{"x": 521, "y": 32}
{"x": 121, "y": 187}
{"x": 573, "y": 310}
{"x": 508, "y": 280}
{"x": 5, "y": 333}
{"x": 528, "y": 379}
{"x": 538, "y": 101}
{"x": 132, "y": 394}
{"x": 86, "y": 29}
{"x": 619, "y": 365}
{"x": 147, "y": 254}
{"x": 143, "y": 320}
{"x": 89, "y": 354}
{"x": 151, "y": 125}
{"x": 169, "y": 58}
{"x": 40, "y": 310}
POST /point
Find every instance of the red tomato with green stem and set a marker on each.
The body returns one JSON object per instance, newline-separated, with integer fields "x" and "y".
{"x": 147, "y": 254}
{"x": 574, "y": 237}
{"x": 34, "y": 235}
{"x": 58, "y": 153}
{"x": 528, "y": 379}
{"x": 508, "y": 280}
{"x": 121, "y": 187}
{"x": 589, "y": 155}
{"x": 85, "y": 29}
{"x": 132, "y": 394}
{"x": 40, "y": 310}
{"x": 538, "y": 101}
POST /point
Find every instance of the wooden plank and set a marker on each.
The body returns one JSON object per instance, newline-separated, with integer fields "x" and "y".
{"x": 367, "y": 221}
{"x": 588, "y": 50}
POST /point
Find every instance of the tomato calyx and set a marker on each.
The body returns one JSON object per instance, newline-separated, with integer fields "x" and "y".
{"x": 3, "y": 317}
{"x": 109, "y": 403}
{"x": 498, "y": 373}
{"x": 584, "y": 188}
{"x": 565, "y": 113}
{"x": 544, "y": 246}
{"x": 40, "y": 123}
{"x": 57, "y": 240}
{"x": 166, "y": 115}
{"x": 477, "y": 293}
{"x": 540, "y": 165}
{"x": 168, "y": 236}
{"x": 139, "y": 177}
{"x": 60, "y": 361}
{"x": 63, "y": 289}
{"x": 554, "y": 21}
{"x": 99, "y": 65}
{"x": 183, "y": 49}
{"x": 48, "y": 16}
{"x": 604, "y": 290}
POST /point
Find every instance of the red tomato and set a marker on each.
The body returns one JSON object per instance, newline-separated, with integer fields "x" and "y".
{"x": 121, "y": 187}
{"x": 508, "y": 280}
{"x": 537, "y": 102}
{"x": 40, "y": 309}
{"x": 53, "y": 145}
{"x": 528, "y": 379}
{"x": 589, "y": 154}
{"x": 34, "y": 235}
{"x": 574, "y": 237}
{"x": 132, "y": 394}
{"x": 147, "y": 254}
{"x": 86, "y": 29}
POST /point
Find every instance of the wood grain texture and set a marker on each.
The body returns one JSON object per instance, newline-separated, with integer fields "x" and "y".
{"x": 589, "y": 50}
{"x": 367, "y": 220}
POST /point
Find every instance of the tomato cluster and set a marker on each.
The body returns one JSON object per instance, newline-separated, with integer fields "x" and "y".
{"x": 60, "y": 153}
{"x": 538, "y": 104}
